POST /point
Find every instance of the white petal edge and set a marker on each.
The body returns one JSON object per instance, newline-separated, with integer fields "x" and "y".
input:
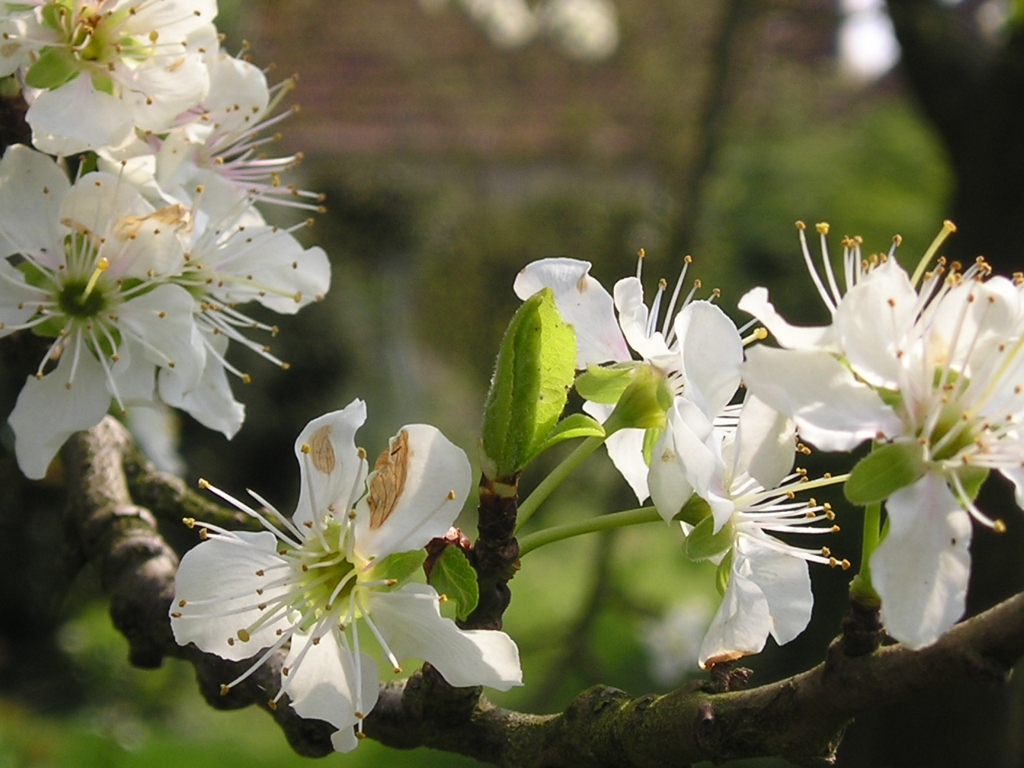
{"x": 437, "y": 480}
{"x": 410, "y": 621}
{"x": 921, "y": 568}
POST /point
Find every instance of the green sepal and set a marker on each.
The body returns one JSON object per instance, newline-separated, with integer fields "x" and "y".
{"x": 53, "y": 68}
{"x": 642, "y": 404}
{"x": 972, "y": 478}
{"x": 9, "y": 87}
{"x": 694, "y": 511}
{"x": 724, "y": 573}
{"x": 703, "y": 543}
{"x": 400, "y": 566}
{"x": 103, "y": 83}
{"x": 529, "y": 389}
{"x": 34, "y": 276}
{"x": 605, "y": 384}
{"x": 885, "y": 470}
{"x": 51, "y": 13}
{"x": 453, "y": 577}
{"x": 651, "y": 438}
{"x": 572, "y": 426}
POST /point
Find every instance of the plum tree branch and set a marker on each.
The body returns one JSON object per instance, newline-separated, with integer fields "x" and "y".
{"x": 801, "y": 718}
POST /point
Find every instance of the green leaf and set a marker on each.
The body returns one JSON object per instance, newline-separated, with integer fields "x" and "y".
{"x": 53, "y": 68}
{"x": 454, "y": 577}
{"x": 885, "y": 470}
{"x": 573, "y": 426}
{"x": 605, "y": 384}
{"x": 532, "y": 376}
{"x": 724, "y": 573}
{"x": 703, "y": 543}
{"x": 401, "y": 566}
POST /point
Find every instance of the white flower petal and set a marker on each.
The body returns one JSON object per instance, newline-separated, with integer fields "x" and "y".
{"x": 740, "y": 626}
{"x": 755, "y": 302}
{"x": 168, "y": 86}
{"x": 785, "y": 583}
{"x": 670, "y": 488}
{"x": 18, "y": 300}
{"x": 332, "y": 470}
{"x": 625, "y": 449}
{"x": 410, "y": 621}
{"x": 922, "y": 566}
{"x": 1016, "y": 476}
{"x": 133, "y": 376}
{"x": 162, "y": 325}
{"x": 872, "y": 321}
{"x": 48, "y": 412}
{"x": 218, "y": 580}
{"x": 172, "y": 18}
{"x": 31, "y": 188}
{"x": 832, "y": 410}
{"x": 767, "y": 442}
{"x": 711, "y": 351}
{"x": 271, "y": 267}
{"x": 323, "y": 685}
{"x": 344, "y": 740}
{"x": 417, "y": 488}
{"x": 633, "y": 319}
{"x": 209, "y": 401}
{"x": 583, "y": 303}
{"x": 77, "y": 117}
{"x": 238, "y": 97}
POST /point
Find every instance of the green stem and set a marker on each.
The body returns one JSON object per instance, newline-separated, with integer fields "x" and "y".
{"x": 552, "y": 481}
{"x": 590, "y": 525}
{"x": 862, "y": 586}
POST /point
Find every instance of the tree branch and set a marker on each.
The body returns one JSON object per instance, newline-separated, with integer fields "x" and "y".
{"x": 801, "y": 718}
{"x": 946, "y": 62}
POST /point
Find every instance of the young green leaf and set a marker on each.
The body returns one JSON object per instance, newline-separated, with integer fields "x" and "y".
{"x": 453, "y": 577}
{"x": 534, "y": 371}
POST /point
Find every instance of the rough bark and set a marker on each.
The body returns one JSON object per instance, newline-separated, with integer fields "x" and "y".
{"x": 801, "y": 718}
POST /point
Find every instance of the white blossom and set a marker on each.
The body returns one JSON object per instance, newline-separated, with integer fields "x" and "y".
{"x": 695, "y": 348}
{"x": 341, "y": 560}
{"x": 931, "y": 364}
{"x": 744, "y": 475}
{"x": 96, "y": 70}
{"x": 88, "y": 266}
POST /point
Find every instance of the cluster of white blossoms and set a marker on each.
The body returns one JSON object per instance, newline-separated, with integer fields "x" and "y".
{"x": 737, "y": 459}
{"x": 930, "y": 367}
{"x": 137, "y": 266}
{"x": 348, "y": 557}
